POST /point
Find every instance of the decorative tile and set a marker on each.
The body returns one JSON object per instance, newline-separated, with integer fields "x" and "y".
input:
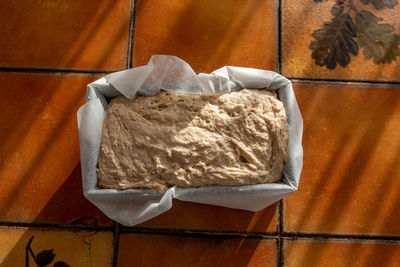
{"x": 340, "y": 253}
{"x": 207, "y": 34}
{"x": 90, "y": 35}
{"x": 369, "y": 31}
{"x": 162, "y": 250}
{"x": 29, "y": 247}
{"x": 187, "y": 215}
{"x": 40, "y": 177}
{"x": 351, "y": 175}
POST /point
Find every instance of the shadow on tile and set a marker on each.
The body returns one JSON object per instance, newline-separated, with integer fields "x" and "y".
{"x": 207, "y": 34}
{"x": 41, "y": 152}
{"x": 161, "y": 250}
{"x": 69, "y": 206}
{"x": 194, "y": 216}
{"x": 68, "y": 35}
{"x": 349, "y": 183}
{"x": 352, "y": 253}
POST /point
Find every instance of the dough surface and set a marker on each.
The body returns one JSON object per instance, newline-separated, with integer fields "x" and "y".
{"x": 156, "y": 142}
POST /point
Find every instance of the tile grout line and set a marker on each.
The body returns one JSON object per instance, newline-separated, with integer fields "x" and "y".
{"x": 105, "y": 72}
{"x": 115, "y": 248}
{"x": 279, "y": 260}
{"x": 133, "y": 32}
{"x": 280, "y": 232}
{"x": 258, "y": 235}
{"x": 54, "y": 71}
{"x": 131, "y": 35}
{"x": 278, "y": 37}
{"x": 203, "y": 233}
{"x": 200, "y": 233}
{"x": 279, "y": 227}
{"x": 345, "y": 82}
{"x": 51, "y": 226}
{"x": 338, "y": 237}
{"x": 127, "y": 229}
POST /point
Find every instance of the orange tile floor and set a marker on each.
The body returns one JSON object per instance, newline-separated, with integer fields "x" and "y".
{"x": 341, "y": 57}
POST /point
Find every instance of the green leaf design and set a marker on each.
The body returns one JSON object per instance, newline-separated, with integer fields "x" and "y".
{"x": 377, "y": 40}
{"x": 334, "y": 43}
{"x": 381, "y": 4}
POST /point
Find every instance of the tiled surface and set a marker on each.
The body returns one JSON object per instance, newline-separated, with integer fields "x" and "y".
{"x": 40, "y": 173}
{"x": 79, "y": 248}
{"x": 207, "y": 34}
{"x": 157, "y": 250}
{"x": 345, "y": 208}
{"x": 350, "y": 180}
{"x": 65, "y": 34}
{"x": 302, "y": 18}
{"x": 193, "y": 216}
{"x": 340, "y": 253}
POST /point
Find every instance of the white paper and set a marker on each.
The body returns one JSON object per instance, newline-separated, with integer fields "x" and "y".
{"x": 131, "y": 207}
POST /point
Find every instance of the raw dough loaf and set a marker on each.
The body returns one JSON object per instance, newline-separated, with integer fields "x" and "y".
{"x": 170, "y": 139}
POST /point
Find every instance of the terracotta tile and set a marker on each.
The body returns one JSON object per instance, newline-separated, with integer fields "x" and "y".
{"x": 76, "y": 248}
{"x": 187, "y": 215}
{"x": 39, "y": 153}
{"x": 207, "y": 34}
{"x": 302, "y": 18}
{"x": 68, "y": 34}
{"x": 351, "y": 175}
{"x": 159, "y": 250}
{"x": 340, "y": 253}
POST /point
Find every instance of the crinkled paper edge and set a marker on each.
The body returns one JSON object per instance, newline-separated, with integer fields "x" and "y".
{"x": 131, "y": 207}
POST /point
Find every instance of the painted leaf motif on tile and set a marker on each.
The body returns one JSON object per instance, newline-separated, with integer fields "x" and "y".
{"x": 338, "y": 39}
{"x": 337, "y": 10}
{"x": 381, "y": 4}
{"x": 45, "y": 257}
{"x": 334, "y": 43}
{"x": 378, "y": 40}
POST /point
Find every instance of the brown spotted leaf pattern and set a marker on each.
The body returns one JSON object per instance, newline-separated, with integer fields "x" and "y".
{"x": 381, "y": 4}
{"x": 334, "y": 43}
{"x": 378, "y": 40}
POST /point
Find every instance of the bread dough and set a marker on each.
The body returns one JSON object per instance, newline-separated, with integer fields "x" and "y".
{"x": 155, "y": 142}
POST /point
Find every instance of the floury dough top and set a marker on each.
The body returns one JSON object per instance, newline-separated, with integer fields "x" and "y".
{"x": 156, "y": 142}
